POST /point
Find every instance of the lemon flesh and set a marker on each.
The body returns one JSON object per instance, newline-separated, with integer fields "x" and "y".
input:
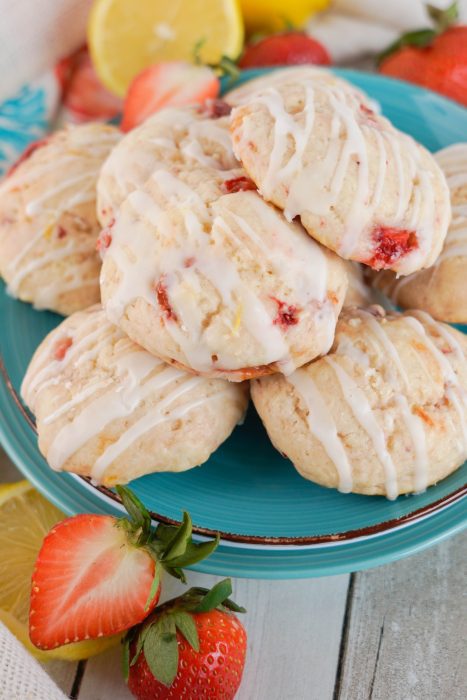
{"x": 126, "y": 36}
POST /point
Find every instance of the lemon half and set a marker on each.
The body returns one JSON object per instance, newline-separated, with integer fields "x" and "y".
{"x": 125, "y": 36}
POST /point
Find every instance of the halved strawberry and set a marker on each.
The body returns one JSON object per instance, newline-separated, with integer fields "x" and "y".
{"x": 168, "y": 84}
{"x": 97, "y": 575}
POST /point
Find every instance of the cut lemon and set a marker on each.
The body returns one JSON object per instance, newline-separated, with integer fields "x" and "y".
{"x": 25, "y": 519}
{"x": 125, "y": 36}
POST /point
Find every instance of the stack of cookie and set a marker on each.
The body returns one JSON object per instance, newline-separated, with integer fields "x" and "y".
{"x": 233, "y": 234}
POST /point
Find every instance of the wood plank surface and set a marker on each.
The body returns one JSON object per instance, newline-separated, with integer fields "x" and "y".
{"x": 407, "y": 629}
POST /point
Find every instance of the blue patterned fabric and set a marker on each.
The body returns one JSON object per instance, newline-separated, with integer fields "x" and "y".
{"x": 26, "y": 117}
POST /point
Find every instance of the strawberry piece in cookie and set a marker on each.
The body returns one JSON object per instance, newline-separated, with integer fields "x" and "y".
{"x": 287, "y": 314}
{"x": 62, "y": 347}
{"x": 391, "y": 244}
{"x": 163, "y": 301}
{"x": 215, "y": 108}
{"x": 238, "y": 184}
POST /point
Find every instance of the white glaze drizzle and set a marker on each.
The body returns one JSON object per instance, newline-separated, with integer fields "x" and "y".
{"x": 326, "y": 177}
{"x": 412, "y": 421}
{"x": 415, "y": 427}
{"x": 452, "y": 384}
{"x": 379, "y": 331}
{"x": 51, "y": 256}
{"x": 323, "y": 426}
{"x": 131, "y": 370}
{"x": 363, "y": 412}
{"x": 132, "y": 245}
{"x": 132, "y": 377}
{"x": 43, "y": 371}
{"x": 81, "y": 155}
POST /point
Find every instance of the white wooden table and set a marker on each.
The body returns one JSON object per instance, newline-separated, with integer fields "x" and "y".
{"x": 398, "y": 632}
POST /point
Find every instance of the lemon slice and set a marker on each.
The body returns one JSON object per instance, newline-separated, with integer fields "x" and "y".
{"x": 125, "y": 36}
{"x": 25, "y": 519}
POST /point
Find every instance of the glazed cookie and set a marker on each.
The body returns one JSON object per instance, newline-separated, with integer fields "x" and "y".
{"x": 216, "y": 280}
{"x": 246, "y": 91}
{"x": 172, "y": 137}
{"x": 384, "y": 413}
{"x": 107, "y": 409}
{"x": 48, "y": 224}
{"x": 360, "y": 187}
{"x": 442, "y": 289}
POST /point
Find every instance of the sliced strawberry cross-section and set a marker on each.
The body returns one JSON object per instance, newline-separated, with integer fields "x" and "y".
{"x": 391, "y": 244}
{"x": 167, "y": 84}
{"x": 97, "y": 575}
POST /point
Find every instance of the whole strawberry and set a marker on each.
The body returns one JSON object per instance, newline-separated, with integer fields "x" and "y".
{"x": 97, "y": 575}
{"x": 191, "y": 647}
{"x": 433, "y": 58}
{"x": 287, "y": 49}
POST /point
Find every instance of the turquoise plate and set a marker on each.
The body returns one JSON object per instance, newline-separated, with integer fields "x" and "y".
{"x": 273, "y": 523}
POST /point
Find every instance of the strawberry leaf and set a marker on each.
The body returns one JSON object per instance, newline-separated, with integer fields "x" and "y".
{"x": 161, "y": 650}
{"x": 187, "y": 626}
{"x": 154, "y": 587}
{"x": 139, "y": 644}
{"x": 420, "y": 37}
{"x": 140, "y": 517}
{"x": 175, "y": 572}
{"x": 179, "y": 542}
{"x": 215, "y": 596}
{"x": 443, "y": 18}
{"x": 195, "y": 553}
{"x": 126, "y": 659}
{"x": 231, "y": 605}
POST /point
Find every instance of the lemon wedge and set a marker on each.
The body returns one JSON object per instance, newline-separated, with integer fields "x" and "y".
{"x": 25, "y": 518}
{"x": 125, "y": 36}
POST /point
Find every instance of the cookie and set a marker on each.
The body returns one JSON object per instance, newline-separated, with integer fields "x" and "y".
{"x": 48, "y": 224}
{"x": 215, "y": 280}
{"x": 359, "y": 186}
{"x": 384, "y": 413}
{"x": 242, "y": 94}
{"x": 196, "y": 136}
{"x": 107, "y": 409}
{"x": 442, "y": 289}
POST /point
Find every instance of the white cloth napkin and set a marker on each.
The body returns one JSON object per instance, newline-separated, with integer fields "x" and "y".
{"x": 34, "y": 34}
{"x": 21, "y": 676}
